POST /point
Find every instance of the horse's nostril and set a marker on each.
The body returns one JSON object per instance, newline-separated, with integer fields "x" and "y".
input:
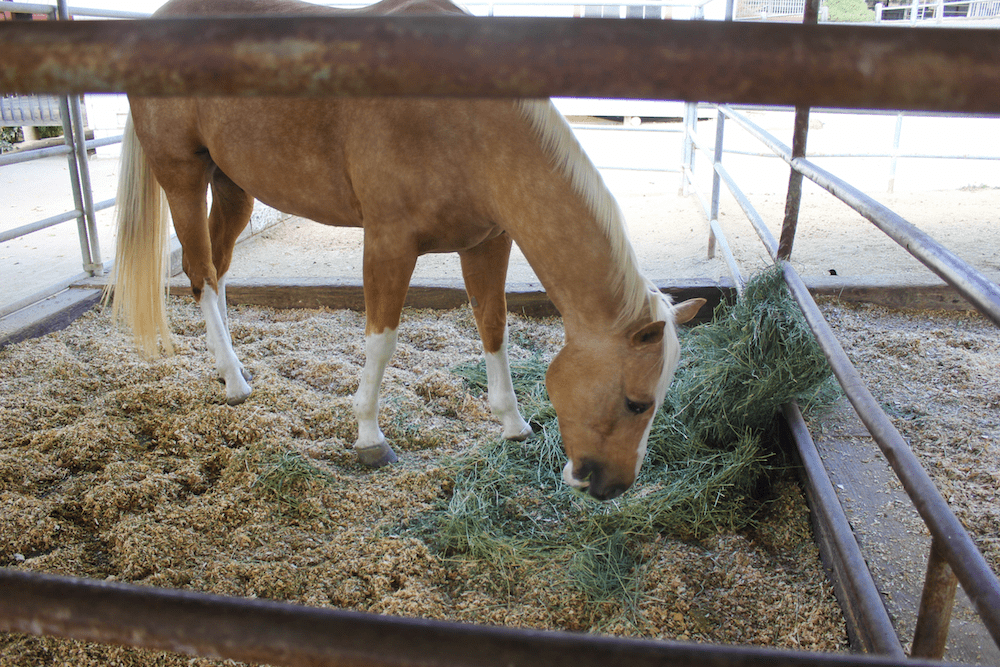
{"x": 586, "y": 472}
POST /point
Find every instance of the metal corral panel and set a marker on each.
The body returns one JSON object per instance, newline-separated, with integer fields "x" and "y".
{"x": 18, "y": 110}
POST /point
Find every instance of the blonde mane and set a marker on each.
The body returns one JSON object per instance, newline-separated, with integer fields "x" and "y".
{"x": 558, "y": 142}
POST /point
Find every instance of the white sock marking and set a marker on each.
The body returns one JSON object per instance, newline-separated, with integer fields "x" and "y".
{"x": 378, "y": 351}
{"x": 500, "y": 392}
{"x": 221, "y": 346}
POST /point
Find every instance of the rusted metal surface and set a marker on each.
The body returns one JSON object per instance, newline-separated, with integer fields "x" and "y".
{"x": 815, "y": 65}
{"x": 285, "y": 634}
{"x": 934, "y": 617}
{"x": 868, "y": 621}
{"x": 800, "y": 134}
{"x": 972, "y": 570}
{"x": 793, "y": 198}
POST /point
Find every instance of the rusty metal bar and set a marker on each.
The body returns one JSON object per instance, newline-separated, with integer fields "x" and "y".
{"x": 285, "y": 634}
{"x": 800, "y": 134}
{"x": 762, "y": 63}
{"x": 972, "y": 570}
{"x": 868, "y": 621}
{"x": 931, "y": 633}
{"x": 793, "y": 199}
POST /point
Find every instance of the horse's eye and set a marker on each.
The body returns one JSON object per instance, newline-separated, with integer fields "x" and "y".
{"x": 637, "y": 407}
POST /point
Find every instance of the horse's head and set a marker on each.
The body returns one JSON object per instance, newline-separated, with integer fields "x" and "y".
{"x": 606, "y": 389}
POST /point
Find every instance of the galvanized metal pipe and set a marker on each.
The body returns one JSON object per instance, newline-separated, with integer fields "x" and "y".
{"x": 967, "y": 280}
{"x": 36, "y": 154}
{"x": 28, "y": 8}
{"x": 24, "y": 230}
{"x": 286, "y": 634}
{"x": 727, "y": 254}
{"x": 972, "y": 570}
{"x": 934, "y": 156}
{"x": 936, "y": 602}
{"x": 88, "y": 227}
{"x": 17, "y": 157}
{"x": 763, "y": 63}
{"x": 748, "y": 209}
{"x": 713, "y": 215}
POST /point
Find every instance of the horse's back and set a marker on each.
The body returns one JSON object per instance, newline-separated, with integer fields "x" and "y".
{"x": 295, "y": 7}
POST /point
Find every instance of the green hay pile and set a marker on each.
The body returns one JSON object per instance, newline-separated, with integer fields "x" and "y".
{"x": 711, "y": 455}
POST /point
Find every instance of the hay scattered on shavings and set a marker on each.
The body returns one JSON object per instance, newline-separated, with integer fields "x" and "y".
{"x": 113, "y": 467}
{"x": 703, "y": 475}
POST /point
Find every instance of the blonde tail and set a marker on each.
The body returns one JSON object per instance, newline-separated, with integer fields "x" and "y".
{"x": 142, "y": 258}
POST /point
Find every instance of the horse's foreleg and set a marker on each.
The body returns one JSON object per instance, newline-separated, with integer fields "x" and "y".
{"x": 371, "y": 446}
{"x": 387, "y": 271}
{"x": 485, "y": 270}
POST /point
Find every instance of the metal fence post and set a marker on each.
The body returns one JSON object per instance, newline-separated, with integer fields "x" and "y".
{"x": 79, "y": 172}
{"x": 936, "y": 603}
{"x": 793, "y": 200}
{"x": 685, "y": 150}
{"x": 720, "y": 124}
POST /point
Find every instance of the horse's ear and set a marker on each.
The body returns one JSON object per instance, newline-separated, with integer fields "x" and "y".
{"x": 686, "y": 310}
{"x": 649, "y": 334}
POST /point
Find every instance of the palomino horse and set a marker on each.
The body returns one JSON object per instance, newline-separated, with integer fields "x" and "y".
{"x": 419, "y": 176}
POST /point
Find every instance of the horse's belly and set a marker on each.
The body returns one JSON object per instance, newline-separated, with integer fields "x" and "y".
{"x": 319, "y": 209}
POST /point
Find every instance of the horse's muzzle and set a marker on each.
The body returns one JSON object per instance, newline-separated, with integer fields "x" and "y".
{"x": 594, "y": 478}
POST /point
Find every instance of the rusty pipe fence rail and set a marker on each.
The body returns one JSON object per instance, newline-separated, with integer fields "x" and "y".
{"x": 852, "y": 67}
{"x": 817, "y": 65}
{"x": 953, "y": 552}
{"x": 967, "y": 280}
{"x": 285, "y": 634}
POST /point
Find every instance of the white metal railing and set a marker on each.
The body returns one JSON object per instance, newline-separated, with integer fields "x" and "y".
{"x": 941, "y": 12}
{"x": 765, "y": 9}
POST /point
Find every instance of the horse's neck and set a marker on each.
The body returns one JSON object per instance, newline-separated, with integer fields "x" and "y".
{"x": 565, "y": 239}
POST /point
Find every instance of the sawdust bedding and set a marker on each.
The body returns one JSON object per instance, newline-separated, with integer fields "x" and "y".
{"x": 112, "y": 467}
{"x": 937, "y": 375}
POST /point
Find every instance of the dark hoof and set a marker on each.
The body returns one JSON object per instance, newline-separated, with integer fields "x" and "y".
{"x": 377, "y": 456}
{"x": 523, "y": 436}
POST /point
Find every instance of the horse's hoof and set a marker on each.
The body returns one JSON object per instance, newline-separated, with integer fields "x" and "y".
{"x": 376, "y": 456}
{"x": 523, "y": 435}
{"x": 237, "y": 400}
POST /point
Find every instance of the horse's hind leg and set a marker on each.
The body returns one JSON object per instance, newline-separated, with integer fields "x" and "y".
{"x": 485, "y": 270}
{"x": 185, "y": 182}
{"x": 231, "y": 209}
